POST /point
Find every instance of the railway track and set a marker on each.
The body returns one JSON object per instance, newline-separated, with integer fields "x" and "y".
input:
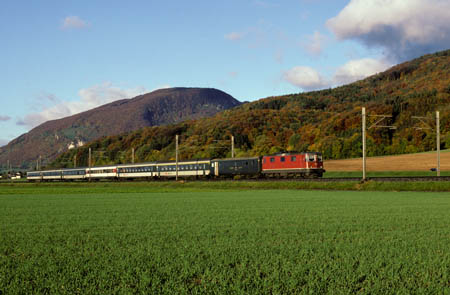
{"x": 349, "y": 179}
{"x": 381, "y": 179}
{"x": 333, "y": 179}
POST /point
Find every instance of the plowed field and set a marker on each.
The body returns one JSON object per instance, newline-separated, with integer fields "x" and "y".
{"x": 408, "y": 162}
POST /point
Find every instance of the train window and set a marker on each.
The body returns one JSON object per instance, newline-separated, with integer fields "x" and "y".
{"x": 272, "y": 160}
{"x": 282, "y": 159}
{"x": 293, "y": 159}
{"x": 264, "y": 160}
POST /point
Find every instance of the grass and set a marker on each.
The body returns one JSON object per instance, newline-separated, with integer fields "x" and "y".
{"x": 207, "y": 186}
{"x": 248, "y": 242}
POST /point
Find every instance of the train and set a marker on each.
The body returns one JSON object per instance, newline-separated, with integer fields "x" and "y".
{"x": 280, "y": 165}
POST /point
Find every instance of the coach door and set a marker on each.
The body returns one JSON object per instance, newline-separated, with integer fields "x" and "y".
{"x": 216, "y": 169}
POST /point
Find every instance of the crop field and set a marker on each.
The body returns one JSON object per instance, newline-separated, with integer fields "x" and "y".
{"x": 250, "y": 242}
{"x": 418, "y": 162}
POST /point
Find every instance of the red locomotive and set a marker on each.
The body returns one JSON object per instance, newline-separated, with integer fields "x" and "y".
{"x": 293, "y": 164}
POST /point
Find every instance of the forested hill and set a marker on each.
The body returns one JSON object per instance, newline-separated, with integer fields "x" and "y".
{"x": 328, "y": 121}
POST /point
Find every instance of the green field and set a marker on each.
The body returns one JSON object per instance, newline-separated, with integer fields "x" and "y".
{"x": 260, "y": 241}
{"x": 208, "y": 186}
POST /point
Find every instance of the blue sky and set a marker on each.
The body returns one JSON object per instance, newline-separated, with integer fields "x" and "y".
{"x": 58, "y": 58}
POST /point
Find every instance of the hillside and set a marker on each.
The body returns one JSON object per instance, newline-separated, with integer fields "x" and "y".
{"x": 328, "y": 121}
{"x": 161, "y": 107}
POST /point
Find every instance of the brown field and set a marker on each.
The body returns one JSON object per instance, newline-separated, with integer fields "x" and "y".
{"x": 408, "y": 162}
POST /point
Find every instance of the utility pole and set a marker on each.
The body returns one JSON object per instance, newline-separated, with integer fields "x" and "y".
{"x": 424, "y": 126}
{"x": 132, "y": 155}
{"x": 438, "y": 145}
{"x": 364, "y": 142}
{"x": 176, "y": 157}
{"x": 40, "y": 162}
{"x": 75, "y": 161}
{"x": 232, "y": 146}
{"x": 90, "y": 158}
{"x": 374, "y": 125}
{"x": 7, "y": 168}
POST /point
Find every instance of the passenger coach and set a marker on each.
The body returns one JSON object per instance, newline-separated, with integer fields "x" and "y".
{"x": 290, "y": 164}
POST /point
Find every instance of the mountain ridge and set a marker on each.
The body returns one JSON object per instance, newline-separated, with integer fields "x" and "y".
{"x": 160, "y": 107}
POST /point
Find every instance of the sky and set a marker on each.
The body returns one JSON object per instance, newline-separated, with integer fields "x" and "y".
{"x": 59, "y": 58}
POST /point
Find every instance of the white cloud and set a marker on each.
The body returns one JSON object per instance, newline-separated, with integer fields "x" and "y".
{"x": 358, "y": 69}
{"x": 74, "y": 22}
{"x": 405, "y": 29}
{"x": 4, "y": 118}
{"x": 234, "y": 36}
{"x": 3, "y": 142}
{"x": 315, "y": 43}
{"x": 90, "y": 98}
{"x": 306, "y": 78}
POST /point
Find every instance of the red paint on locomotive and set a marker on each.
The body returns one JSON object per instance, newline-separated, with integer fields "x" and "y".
{"x": 292, "y": 163}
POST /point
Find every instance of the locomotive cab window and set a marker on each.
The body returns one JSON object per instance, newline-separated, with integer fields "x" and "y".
{"x": 272, "y": 160}
{"x": 282, "y": 159}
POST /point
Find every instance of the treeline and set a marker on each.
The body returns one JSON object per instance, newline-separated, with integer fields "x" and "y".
{"x": 328, "y": 121}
